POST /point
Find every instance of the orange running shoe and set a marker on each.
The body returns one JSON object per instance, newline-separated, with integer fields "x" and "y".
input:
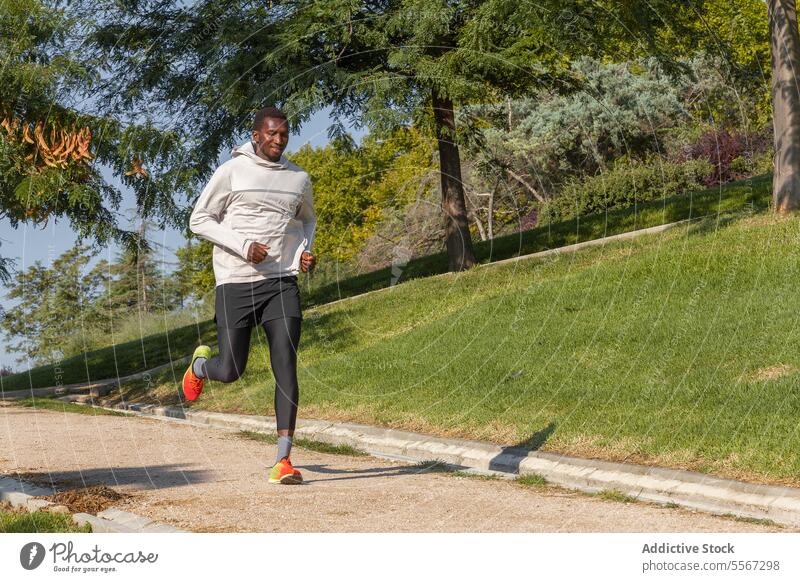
{"x": 193, "y": 385}
{"x": 283, "y": 472}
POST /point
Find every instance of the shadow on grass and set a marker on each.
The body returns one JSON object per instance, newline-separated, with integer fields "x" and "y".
{"x": 753, "y": 193}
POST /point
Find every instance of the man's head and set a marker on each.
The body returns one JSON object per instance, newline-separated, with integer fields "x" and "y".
{"x": 270, "y": 133}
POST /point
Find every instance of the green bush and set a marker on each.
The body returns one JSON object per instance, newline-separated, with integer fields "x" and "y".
{"x": 763, "y": 162}
{"x": 627, "y": 183}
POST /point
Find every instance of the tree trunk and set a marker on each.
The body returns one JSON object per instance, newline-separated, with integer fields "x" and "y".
{"x": 456, "y": 228}
{"x": 785, "y": 49}
{"x": 490, "y": 218}
{"x": 141, "y": 268}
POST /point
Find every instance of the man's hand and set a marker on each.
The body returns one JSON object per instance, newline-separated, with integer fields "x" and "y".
{"x": 257, "y": 252}
{"x": 307, "y": 262}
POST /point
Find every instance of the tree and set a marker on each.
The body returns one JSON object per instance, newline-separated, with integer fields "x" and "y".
{"x": 741, "y": 30}
{"x": 383, "y": 64}
{"x": 51, "y": 303}
{"x": 356, "y": 187}
{"x": 535, "y": 143}
{"x": 137, "y": 282}
{"x": 195, "y": 272}
{"x": 52, "y": 146}
{"x": 738, "y": 34}
{"x": 785, "y": 50}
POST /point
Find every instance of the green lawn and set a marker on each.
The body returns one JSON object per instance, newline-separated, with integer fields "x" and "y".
{"x": 154, "y": 350}
{"x": 117, "y": 360}
{"x": 678, "y": 349}
{"x": 751, "y": 193}
{"x": 38, "y": 522}
{"x": 60, "y": 406}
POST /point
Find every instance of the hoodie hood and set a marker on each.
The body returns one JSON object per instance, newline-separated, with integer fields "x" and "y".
{"x": 248, "y": 149}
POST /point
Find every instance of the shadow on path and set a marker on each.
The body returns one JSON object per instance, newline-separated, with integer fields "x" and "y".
{"x": 371, "y": 473}
{"x": 144, "y": 477}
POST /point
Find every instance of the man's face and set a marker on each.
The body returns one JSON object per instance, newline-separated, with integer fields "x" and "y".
{"x": 271, "y": 139}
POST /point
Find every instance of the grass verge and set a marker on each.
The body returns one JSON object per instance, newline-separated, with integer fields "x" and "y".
{"x": 532, "y": 480}
{"x": 308, "y": 444}
{"x": 61, "y": 406}
{"x": 20, "y": 521}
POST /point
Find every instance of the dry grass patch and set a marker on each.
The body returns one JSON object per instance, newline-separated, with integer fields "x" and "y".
{"x": 87, "y": 500}
{"x": 772, "y": 373}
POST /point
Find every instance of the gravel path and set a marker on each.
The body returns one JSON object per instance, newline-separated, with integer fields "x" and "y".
{"x": 203, "y": 479}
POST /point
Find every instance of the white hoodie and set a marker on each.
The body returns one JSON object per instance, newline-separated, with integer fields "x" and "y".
{"x": 250, "y": 199}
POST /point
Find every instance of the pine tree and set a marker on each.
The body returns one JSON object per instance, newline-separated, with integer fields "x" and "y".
{"x": 137, "y": 282}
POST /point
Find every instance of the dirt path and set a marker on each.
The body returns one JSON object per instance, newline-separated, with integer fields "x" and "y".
{"x": 204, "y": 479}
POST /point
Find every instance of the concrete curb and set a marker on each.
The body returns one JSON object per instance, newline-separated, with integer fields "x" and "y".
{"x": 598, "y": 242}
{"x": 21, "y": 495}
{"x": 92, "y": 389}
{"x": 693, "y": 490}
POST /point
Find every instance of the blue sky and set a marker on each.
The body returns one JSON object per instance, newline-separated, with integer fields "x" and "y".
{"x": 28, "y": 244}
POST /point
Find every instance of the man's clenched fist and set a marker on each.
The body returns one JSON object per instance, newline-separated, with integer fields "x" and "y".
{"x": 307, "y": 262}
{"x": 257, "y": 252}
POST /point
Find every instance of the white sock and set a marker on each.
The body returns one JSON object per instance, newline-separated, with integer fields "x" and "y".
{"x": 284, "y": 447}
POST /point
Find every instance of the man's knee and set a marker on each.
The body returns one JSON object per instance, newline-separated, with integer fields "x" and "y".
{"x": 230, "y": 374}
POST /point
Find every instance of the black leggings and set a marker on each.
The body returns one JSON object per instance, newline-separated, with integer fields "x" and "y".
{"x": 283, "y": 336}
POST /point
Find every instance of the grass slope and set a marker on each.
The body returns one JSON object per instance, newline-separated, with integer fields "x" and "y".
{"x": 677, "y": 349}
{"x": 752, "y": 193}
{"x": 154, "y": 350}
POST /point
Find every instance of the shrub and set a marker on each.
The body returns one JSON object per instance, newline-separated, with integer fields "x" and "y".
{"x": 628, "y": 183}
{"x": 733, "y": 155}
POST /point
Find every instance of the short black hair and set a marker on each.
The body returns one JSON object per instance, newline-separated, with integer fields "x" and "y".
{"x": 266, "y": 112}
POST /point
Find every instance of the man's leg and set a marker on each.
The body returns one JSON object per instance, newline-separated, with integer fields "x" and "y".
{"x": 283, "y": 336}
{"x": 229, "y": 365}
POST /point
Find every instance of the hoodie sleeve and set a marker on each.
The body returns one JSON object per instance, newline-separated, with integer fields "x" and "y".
{"x": 307, "y": 215}
{"x": 208, "y": 212}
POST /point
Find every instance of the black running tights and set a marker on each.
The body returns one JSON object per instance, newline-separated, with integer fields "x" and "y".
{"x": 283, "y": 336}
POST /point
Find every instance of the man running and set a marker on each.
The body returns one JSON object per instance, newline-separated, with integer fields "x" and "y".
{"x": 258, "y": 210}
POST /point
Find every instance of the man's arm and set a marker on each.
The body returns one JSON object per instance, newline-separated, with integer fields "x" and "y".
{"x": 208, "y": 211}
{"x": 307, "y": 215}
